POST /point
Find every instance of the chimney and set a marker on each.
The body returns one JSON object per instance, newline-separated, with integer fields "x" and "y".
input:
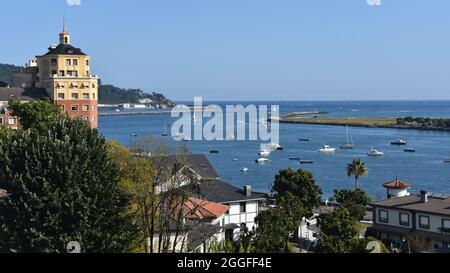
{"x": 424, "y": 197}
{"x": 248, "y": 190}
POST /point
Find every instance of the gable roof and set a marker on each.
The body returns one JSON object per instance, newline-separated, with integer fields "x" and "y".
{"x": 197, "y": 163}
{"x": 64, "y": 49}
{"x": 413, "y": 202}
{"x": 221, "y": 192}
{"x": 201, "y": 209}
{"x": 24, "y": 94}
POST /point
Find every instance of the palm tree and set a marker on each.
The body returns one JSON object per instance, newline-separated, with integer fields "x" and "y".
{"x": 357, "y": 168}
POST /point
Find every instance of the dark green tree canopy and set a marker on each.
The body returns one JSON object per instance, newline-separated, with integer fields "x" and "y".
{"x": 63, "y": 188}
{"x": 301, "y": 185}
{"x": 35, "y": 115}
{"x": 354, "y": 200}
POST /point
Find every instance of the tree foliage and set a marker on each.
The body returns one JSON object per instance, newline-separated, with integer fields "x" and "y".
{"x": 63, "y": 188}
{"x": 36, "y": 115}
{"x": 357, "y": 169}
{"x": 296, "y": 196}
{"x": 353, "y": 200}
{"x": 338, "y": 231}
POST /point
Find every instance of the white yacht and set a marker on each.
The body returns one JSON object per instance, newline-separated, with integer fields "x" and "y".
{"x": 447, "y": 160}
{"x": 244, "y": 170}
{"x": 262, "y": 160}
{"x": 264, "y": 153}
{"x": 327, "y": 149}
{"x": 374, "y": 152}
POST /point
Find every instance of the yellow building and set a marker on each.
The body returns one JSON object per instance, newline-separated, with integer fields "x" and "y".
{"x": 64, "y": 71}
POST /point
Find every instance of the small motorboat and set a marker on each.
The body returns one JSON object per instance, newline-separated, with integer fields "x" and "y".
{"x": 213, "y": 152}
{"x": 294, "y": 158}
{"x": 133, "y": 135}
{"x": 276, "y": 147}
{"x": 327, "y": 149}
{"x": 447, "y": 160}
{"x": 399, "y": 141}
{"x": 306, "y": 161}
{"x": 235, "y": 159}
{"x": 374, "y": 152}
{"x": 262, "y": 160}
{"x": 185, "y": 139}
{"x": 164, "y": 134}
{"x": 409, "y": 150}
{"x": 264, "y": 153}
{"x": 305, "y": 139}
{"x": 244, "y": 170}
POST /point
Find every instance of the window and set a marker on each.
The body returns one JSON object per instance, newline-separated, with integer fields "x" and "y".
{"x": 74, "y": 96}
{"x": 63, "y": 107}
{"x": 87, "y": 62}
{"x": 383, "y": 216}
{"x": 68, "y": 62}
{"x": 446, "y": 225}
{"x": 93, "y": 96}
{"x": 243, "y": 207}
{"x": 12, "y": 121}
{"x": 87, "y": 73}
{"x": 54, "y": 62}
{"x": 93, "y": 107}
{"x": 1, "y": 121}
{"x": 424, "y": 222}
{"x": 61, "y": 96}
{"x": 85, "y": 96}
{"x": 75, "y": 62}
{"x": 75, "y": 108}
{"x": 62, "y": 73}
{"x": 404, "y": 219}
{"x": 54, "y": 72}
{"x": 85, "y": 108}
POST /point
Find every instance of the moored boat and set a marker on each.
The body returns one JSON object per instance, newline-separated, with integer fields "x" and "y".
{"x": 262, "y": 160}
{"x": 374, "y": 152}
{"x": 306, "y": 161}
{"x": 327, "y": 149}
{"x": 409, "y": 150}
{"x": 399, "y": 141}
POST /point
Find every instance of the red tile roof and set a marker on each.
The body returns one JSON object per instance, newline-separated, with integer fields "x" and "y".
{"x": 397, "y": 184}
{"x": 200, "y": 209}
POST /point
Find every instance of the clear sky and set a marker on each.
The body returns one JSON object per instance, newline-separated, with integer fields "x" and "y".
{"x": 247, "y": 49}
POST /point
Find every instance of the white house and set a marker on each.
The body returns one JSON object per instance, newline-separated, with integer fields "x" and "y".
{"x": 425, "y": 214}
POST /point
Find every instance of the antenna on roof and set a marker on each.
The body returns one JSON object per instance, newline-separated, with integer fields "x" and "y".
{"x": 64, "y": 24}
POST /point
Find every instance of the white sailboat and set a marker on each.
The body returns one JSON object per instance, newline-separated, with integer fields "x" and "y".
{"x": 349, "y": 144}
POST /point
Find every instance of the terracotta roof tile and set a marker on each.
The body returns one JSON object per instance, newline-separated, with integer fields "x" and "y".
{"x": 205, "y": 209}
{"x": 397, "y": 184}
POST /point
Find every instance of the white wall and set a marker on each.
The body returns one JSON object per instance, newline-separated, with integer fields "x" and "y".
{"x": 393, "y": 217}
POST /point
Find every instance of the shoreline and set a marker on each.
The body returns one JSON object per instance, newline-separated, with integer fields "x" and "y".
{"x": 376, "y": 122}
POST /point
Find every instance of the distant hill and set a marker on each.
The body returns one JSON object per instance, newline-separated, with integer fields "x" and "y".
{"x": 108, "y": 94}
{"x": 5, "y": 72}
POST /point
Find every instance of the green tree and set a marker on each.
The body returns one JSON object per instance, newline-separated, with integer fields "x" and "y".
{"x": 36, "y": 115}
{"x": 357, "y": 168}
{"x": 63, "y": 188}
{"x": 338, "y": 231}
{"x": 296, "y": 196}
{"x": 354, "y": 200}
{"x": 273, "y": 227}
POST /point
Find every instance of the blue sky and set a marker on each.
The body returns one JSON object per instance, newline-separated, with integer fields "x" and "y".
{"x": 248, "y": 49}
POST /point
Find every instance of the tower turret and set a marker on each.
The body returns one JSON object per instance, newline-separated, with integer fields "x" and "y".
{"x": 64, "y": 37}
